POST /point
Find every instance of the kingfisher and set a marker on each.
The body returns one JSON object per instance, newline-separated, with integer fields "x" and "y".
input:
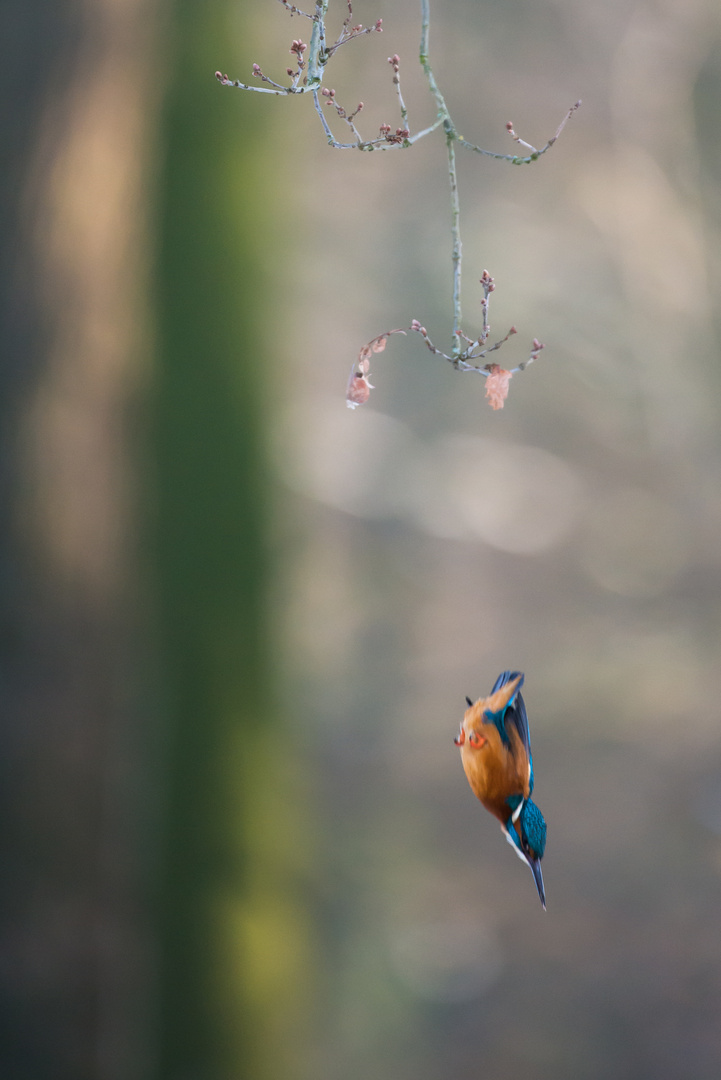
{"x": 495, "y": 750}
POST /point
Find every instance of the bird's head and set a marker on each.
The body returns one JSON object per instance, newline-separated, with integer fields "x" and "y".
{"x": 489, "y": 710}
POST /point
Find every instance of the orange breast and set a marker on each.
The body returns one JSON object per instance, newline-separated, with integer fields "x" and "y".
{"x": 495, "y": 771}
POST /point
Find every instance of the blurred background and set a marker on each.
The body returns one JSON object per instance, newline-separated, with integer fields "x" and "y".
{"x": 239, "y": 621}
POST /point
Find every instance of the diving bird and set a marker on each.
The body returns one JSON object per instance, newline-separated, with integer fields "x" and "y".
{"x": 495, "y": 750}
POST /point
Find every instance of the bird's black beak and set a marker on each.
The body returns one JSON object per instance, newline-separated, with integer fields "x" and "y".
{"x": 535, "y": 865}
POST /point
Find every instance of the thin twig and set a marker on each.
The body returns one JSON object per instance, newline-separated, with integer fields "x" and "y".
{"x": 465, "y": 351}
{"x": 426, "y": 131}
{"x": 295, "y": 10}
{"x": 283, "y": 91}
{"x": 457, "y": 255}
{"x": 423, "y": 57}
{"x": 395, "y": 62}
{"x": 514, "y": 159}
{"x": 445, "y": 118}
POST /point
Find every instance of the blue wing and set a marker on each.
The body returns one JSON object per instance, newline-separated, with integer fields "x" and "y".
{"x": 504, "y": 678}
{"x": 514, "y": 713}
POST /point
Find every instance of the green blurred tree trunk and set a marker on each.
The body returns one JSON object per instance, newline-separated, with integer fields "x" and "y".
{"x": 136, "y": 846}
{"x": 212, "y": 491}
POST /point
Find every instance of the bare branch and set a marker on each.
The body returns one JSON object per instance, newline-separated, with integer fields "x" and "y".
{"x": 311, "y": 61}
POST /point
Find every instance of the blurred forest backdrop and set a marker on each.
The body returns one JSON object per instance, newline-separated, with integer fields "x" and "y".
{"x": 239, "y": 621}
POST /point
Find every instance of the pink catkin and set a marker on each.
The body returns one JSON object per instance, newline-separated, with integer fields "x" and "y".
{"x": 497, "y": 386}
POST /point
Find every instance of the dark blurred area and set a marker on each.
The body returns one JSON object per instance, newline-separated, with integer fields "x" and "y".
{"x": 75, "y": 927}
{"x": 133, "y": 545}
{"x": 239, "y": 621}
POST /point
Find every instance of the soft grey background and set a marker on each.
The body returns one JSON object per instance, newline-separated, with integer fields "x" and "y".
{"x": 574, "y": 536}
